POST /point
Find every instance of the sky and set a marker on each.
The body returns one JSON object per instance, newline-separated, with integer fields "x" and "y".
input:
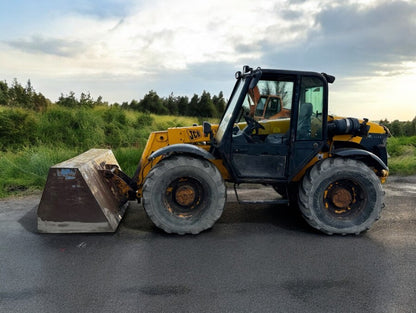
{"x": 122, "y": 49}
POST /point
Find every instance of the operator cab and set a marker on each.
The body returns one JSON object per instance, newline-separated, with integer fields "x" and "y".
{"x": 273, "y": 124}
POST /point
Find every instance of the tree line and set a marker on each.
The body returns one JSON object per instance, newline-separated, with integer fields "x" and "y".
{"x": 399, "y": 128}
{"x": 23, "y": 97}
{"x": 203, "y": 105}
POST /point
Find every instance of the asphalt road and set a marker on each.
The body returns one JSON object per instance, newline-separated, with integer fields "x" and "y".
{"x": 255, "y": 259}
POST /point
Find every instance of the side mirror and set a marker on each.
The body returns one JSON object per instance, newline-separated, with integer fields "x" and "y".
{"x": 206, "y": 126}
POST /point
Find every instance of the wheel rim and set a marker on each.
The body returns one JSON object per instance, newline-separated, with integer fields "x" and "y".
{"x": 344, "y": 198}
{"x": 184, "y": 197}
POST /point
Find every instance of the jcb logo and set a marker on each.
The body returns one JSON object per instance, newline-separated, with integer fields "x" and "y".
{"x": 194, "y": 134}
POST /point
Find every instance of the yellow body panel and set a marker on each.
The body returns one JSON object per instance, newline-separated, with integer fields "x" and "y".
{"x": 177, "y": 135}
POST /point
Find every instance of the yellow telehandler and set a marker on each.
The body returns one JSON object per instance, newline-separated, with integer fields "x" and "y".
{"x": 331, "y": 167}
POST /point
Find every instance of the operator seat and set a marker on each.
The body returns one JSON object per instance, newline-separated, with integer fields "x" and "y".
{"x": 303, "y": 130}
{"x": 304, "y": 121}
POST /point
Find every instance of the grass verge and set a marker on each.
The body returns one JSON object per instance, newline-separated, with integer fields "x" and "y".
{"x": 26, "y": 169}
{"x": 402, "y": 151}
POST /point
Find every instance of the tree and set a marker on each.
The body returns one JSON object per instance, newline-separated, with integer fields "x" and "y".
{"x": 86, "y": 100}
{"x": 18, "y": 96}
{"x": 219, "y": 103}
{"x": 171, "y": 104}
{"x": 68, "y": 101}
{"x": 152, "y": 103}
{"x": 4, "y": 95}
{"x": 133, "y": 105}
{"x": 396, "y": 128}
{"x": 125, "y": 105}
{"x": 22, "y": 97}
{"x": 183, "y": 105}
{"x": 99, "y": 101}
{"x": 407, "y": 129}
{"x": 39, "y": 102}
{"x": 206, "y": 107}
{"x": 193, "y": 107}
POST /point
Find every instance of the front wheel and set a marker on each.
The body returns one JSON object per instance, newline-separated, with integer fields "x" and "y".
{"x": 183, "y": 194}
{"x": 341, "y": 196}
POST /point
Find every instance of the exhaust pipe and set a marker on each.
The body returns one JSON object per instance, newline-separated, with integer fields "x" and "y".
{"x": 80, "y": 196}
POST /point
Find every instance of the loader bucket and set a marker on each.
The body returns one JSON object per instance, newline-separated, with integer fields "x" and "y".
{"x": 78, "y": 197}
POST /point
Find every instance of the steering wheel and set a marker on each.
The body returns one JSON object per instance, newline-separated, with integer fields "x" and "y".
{"x": 252, "y": 124}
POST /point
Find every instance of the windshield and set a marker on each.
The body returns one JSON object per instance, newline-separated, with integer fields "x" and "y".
{"x": 268, "y": 100}
{"x": 229, "y": 112}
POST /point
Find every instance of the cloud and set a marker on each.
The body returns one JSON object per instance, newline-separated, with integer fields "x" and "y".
{"x": 188, "y": 46}
{"x": 161, "y": 36}
{"x": 350, "y": 39}
{"x": 103, "y": 8}
{"x": 385, "y": 31}
{"x": 52, "y": 46}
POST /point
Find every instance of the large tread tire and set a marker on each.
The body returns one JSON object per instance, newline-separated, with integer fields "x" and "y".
{"x": 341, "y": 196}
{"x": 184, "y": 195}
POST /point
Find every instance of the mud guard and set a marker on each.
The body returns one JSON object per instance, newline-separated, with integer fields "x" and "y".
{"x": 362, "y": 155}
{"x": 182, "y": 148}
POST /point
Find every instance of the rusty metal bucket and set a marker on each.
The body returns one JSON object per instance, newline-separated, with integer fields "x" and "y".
{"x": 78, "y": 197}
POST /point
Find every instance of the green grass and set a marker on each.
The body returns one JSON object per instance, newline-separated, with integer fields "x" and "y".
{"x": 26, "y": 170}
{"x": 402, "y": 151}
{"x": 128, "y": 159}
{"x": 81, "y": 128}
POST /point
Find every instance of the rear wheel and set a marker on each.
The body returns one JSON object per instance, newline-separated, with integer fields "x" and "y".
{"x": 183, "y": 194}
{"x": 341, "y": 196}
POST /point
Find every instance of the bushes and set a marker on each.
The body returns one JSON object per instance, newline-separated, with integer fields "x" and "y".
{"x": 70, "y": 128}
{"x": 144, "y": 119}
{"x": 163, "y": 125}
{"x": 82, "y": 128}
{"x": 402, "y": 151}
{"x": 17, "y": 129}
{"x": 32, "y": 141}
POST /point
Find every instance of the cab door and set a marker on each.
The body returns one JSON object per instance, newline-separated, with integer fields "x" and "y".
{"x": 264, "y": 153}
{"x": 308, "y": 138}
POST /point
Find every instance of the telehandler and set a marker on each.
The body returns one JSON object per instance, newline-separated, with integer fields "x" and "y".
{"x": 331, "y": 167}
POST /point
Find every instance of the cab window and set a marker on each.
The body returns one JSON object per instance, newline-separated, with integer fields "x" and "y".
{"x": 309, "y": 125}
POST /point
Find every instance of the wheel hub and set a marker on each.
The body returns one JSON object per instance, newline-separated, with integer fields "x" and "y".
{"x": 341, "y": 197}
{"x": 185, "y": 195}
